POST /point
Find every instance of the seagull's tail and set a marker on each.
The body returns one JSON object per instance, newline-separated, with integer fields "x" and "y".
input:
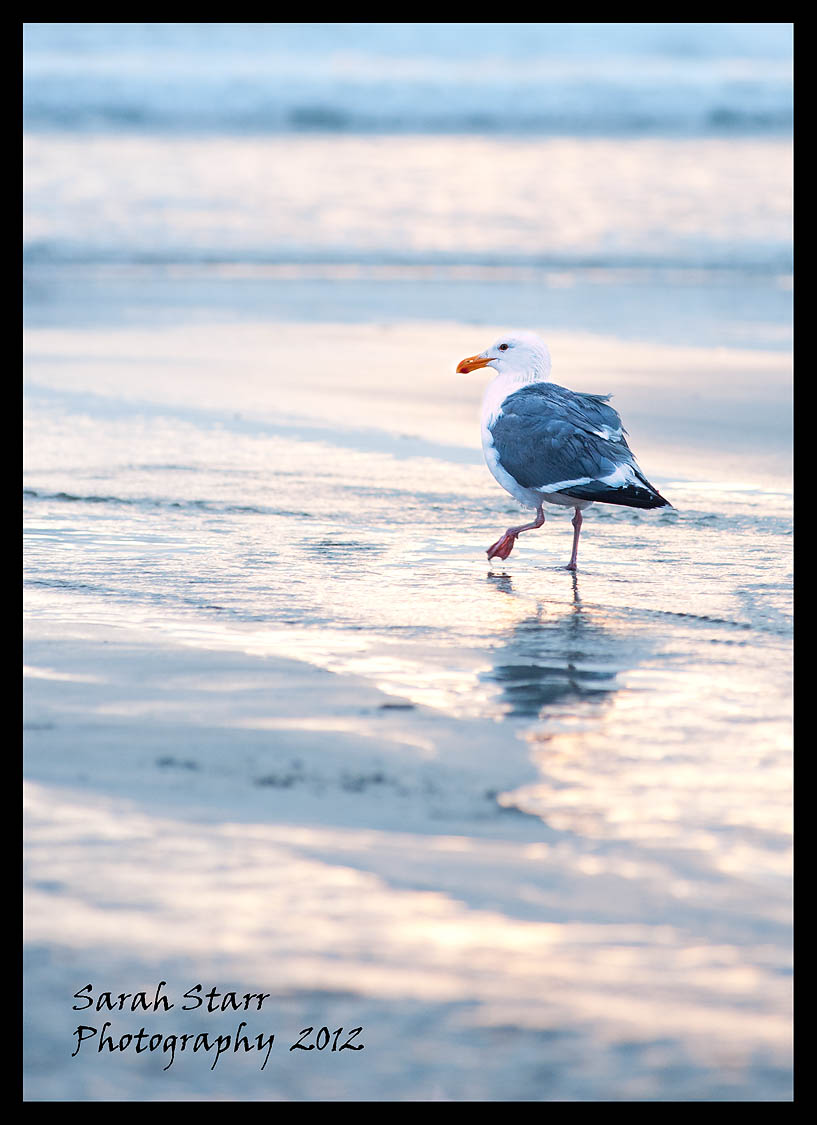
{"x": 635, "y": 494}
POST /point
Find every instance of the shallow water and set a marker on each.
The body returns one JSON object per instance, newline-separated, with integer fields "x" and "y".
{"x": 258, "y": 603}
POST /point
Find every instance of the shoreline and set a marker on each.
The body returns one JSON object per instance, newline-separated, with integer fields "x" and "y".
{"x": 287, "y": 731}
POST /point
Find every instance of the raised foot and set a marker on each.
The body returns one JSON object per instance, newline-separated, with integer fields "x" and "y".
{"x": 502, "y": 548}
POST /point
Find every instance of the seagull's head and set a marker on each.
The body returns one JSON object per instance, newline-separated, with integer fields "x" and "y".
{"x": 521, "y": 354}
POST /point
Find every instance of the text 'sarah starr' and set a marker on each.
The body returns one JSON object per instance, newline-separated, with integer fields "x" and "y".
{"x": 158, "y": 1002}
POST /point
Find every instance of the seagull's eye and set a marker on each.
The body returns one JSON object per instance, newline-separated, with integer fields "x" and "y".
{"x": 503, "y": 347}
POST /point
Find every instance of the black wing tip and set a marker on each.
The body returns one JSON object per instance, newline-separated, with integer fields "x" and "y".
{"x": 636, "y": 498}
{"x": 657, "y": 500}
{"x": 660, "y": 501}
{"x": 631, "y": 497}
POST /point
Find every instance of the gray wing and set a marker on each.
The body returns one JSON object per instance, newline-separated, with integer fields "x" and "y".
{"x": 551, "y": 439}
{"x": 587, "y": 412}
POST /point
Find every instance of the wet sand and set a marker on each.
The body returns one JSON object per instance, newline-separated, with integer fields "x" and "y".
{"x": 288, "y": 731}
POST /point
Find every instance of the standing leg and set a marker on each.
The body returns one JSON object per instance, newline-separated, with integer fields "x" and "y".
{"x": 577, "y": 527}
{"x": 503, "y": 546}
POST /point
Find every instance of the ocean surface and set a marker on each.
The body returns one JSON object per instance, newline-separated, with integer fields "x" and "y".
{"x": 590, "y": 78}
{"x": 286, "y": 729}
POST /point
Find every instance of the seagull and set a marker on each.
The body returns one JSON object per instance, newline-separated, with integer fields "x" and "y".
{"x": 546, "y": 444}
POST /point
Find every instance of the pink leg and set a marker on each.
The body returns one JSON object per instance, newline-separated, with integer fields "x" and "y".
{"x": 504, "y": 545}
{"x": 577, "y": 527}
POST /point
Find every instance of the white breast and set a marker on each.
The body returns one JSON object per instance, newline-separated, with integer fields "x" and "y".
{"x": 495, "y": 394}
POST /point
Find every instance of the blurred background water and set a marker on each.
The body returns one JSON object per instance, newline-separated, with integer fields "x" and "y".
{"x": 257, "y": 603}
{"x": 505, "y": 78}
{"x": 580, "y": 144}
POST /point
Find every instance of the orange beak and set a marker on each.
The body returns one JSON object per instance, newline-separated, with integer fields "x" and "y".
{"x": 472, "y": 363}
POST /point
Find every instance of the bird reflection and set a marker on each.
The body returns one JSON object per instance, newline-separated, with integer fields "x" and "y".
{"x": 557, "y": 653}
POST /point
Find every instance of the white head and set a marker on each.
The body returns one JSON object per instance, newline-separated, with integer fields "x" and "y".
{"x": 522, "y": 355}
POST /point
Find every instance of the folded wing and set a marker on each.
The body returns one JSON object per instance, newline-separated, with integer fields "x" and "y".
{"x": 553, "y": 440}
